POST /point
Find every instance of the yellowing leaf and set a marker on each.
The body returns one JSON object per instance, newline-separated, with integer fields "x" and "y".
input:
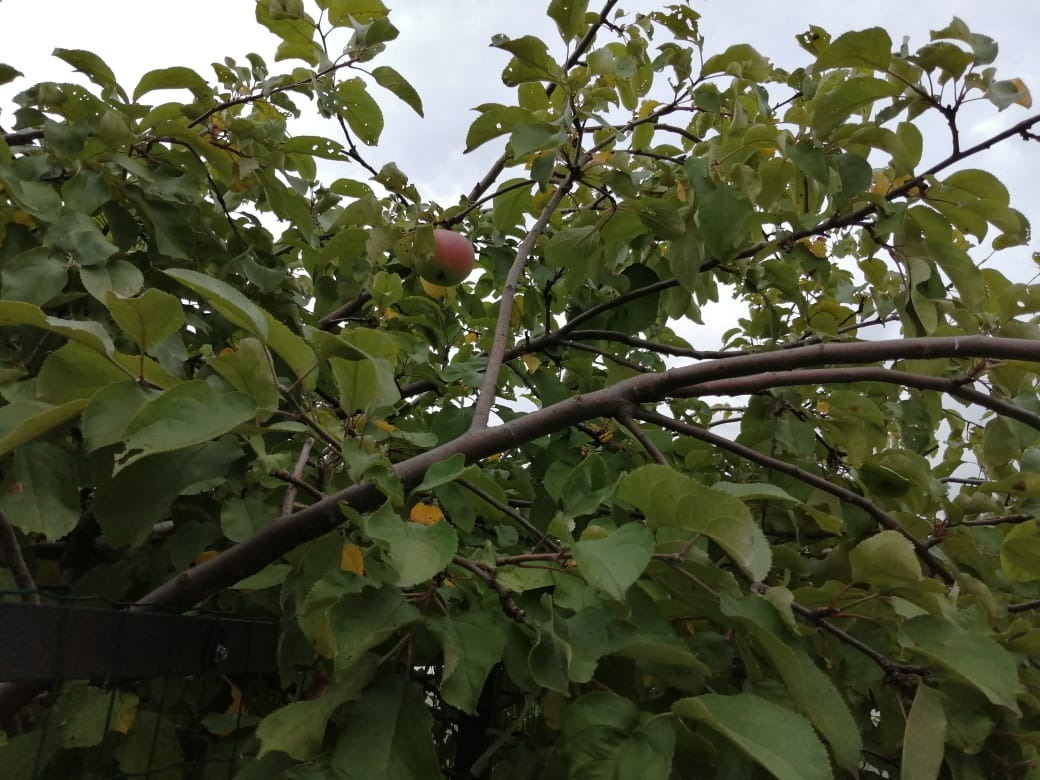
{"x": 383, "y": 425}
{"x": 426, "y": 514}
{"x": 531, "y": 362}
{"x": 470, "y": 338}
{"x": 125, "y": 712}
{"x": 435, "y": 291}
{"x": 818, "y": 245}
{"x": 204, "y": 556}
{"x": 1025, "y": 99}
{"x": 352, "y": 559}
{"x": 23, "y": 218}
{"x": 881, "y": 184}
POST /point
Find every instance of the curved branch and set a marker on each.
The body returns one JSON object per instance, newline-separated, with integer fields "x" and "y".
{"x": 954, "y": 386}
{"x": 288, "y": 531}
{"x": 774, "y": 464}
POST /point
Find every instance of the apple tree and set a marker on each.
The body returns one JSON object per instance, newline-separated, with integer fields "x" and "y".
{"x": 537, "y": 524}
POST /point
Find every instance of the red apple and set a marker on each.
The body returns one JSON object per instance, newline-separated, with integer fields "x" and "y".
{"x": 452, "y": 259}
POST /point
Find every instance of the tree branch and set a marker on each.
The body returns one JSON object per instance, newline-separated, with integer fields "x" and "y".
{"x": 954, "y": 386}
{"x": 288, "y": 531}
{"x": 489, "y": 388}
{"x": 16, "y": 561}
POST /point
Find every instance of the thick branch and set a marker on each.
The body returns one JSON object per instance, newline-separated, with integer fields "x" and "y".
{"x": 288, "y": 531}
{"x": 954, "y": 386}
{"x": 884, "y": 519}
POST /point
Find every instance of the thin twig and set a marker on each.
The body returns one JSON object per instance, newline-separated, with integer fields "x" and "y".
{"x": 510, "y": 607}
{"x": 16, "y": 561}
{"x": 295, "y": 478}
{"x": 626, "y": 419}
{"x": 505, "y": 509}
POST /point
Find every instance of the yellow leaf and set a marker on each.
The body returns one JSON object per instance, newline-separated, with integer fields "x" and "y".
{"x": 383, "y": 425}
{"x": 531, "y": 362}
{"x": 124, "y": 712}
{"x": 553, "y": 705}
{"x": 23, "y": 218}
{"x": 818, "y": 245}
{"x": 469, "y": 338}
{"x": 881, "y": 184}
{"x": 435, "y": 291}
{"x": 822, "y": 407}
{"x": 351, "y": 559}
{"x": 204, "y": 556}
{"x": 494, "y": 458}
{"x": 1024, "y": 98}
{"x": 426, "y": 514}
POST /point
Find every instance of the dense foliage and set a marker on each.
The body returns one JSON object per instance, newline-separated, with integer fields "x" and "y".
{"x": 500, "y": 524}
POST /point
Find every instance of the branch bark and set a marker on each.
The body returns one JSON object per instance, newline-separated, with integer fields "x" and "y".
{"x": 288, "y": 531}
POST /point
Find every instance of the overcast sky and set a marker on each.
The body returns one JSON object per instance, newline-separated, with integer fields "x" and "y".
{"x": 443, "y": 50}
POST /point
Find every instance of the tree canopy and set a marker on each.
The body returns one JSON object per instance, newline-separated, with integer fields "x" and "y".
{"x": 532, "y": 526}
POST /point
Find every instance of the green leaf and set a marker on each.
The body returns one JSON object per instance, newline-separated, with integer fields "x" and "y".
{"x": 531, "y": 137}
{"x": 417, "y": 551}
{"x": 364, "y": 11}
{"x": 291, "y": 348}
{"x": 443, "y": 472}
{"x": 472, "y": 644}
{"x": 494, "y": 120}
{"x": 614, "y": 562}
{"x": 79, "y": 236}
{"x": 884, "y": 559}
{"x": 871, "y": 48}
{"x": 925, "y": 736}
{"x": 93, "y": 67}
{"x": 74, "y": 372}
{"x": 531, "y": 60}
{"x": 247, "y": 368}
{"x": 549, "y": 659}
{"x": 973, "y": 656}
{"x": 185, "y": 415}
{"x": 362, "y": 113}
{"x": 780, "y": 740}
{"x": 669, "y": 498}
{"x": 110, "y": 411}
{"x": 738, "y": 60}
{"x": 148, "y": 318}
{"x": 34, "y": 276}
{"x": 117, "y": 276}
{"x": 390, "y": 79}
{"x": 569, "y": 16}
{"x": 387, "y": 733}
{"x": 41, "y": 491}
{"x": 235, "y": 307}
{"x": 172, "y": 78}
{"x": 299, "y": 727}
{"x": 811, "y": 690}
{"x": 364, "y": 385}
{"x": 362, "y": 621}
{"x": 1020, "y": 552}
{"x": 8, "y": 74}
{"x": 140, "y": 495}
{"x": 835, "y": 105}
{"x": 607, "y": 736}
{"x": 23, "y": 421}
{"x": 754, "y": 491}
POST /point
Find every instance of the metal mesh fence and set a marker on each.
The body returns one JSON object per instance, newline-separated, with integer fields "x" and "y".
{"x": 93, "y": 688}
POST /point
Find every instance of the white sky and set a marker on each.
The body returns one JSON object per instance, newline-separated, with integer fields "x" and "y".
{"x": 443, "y": 50}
